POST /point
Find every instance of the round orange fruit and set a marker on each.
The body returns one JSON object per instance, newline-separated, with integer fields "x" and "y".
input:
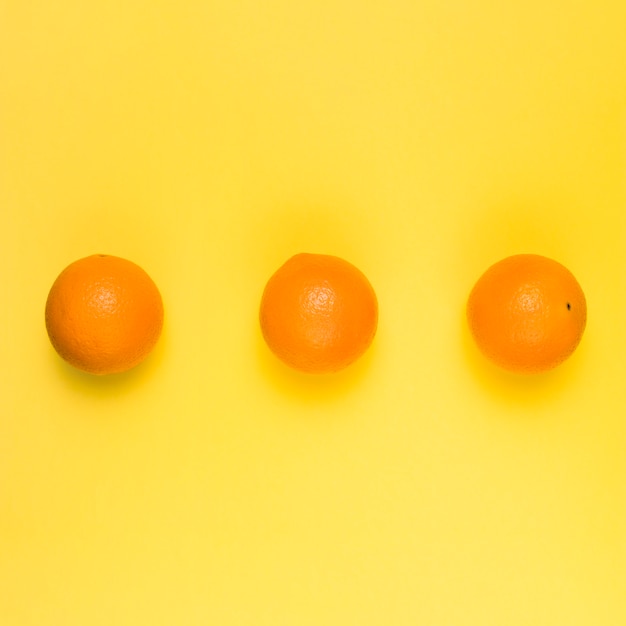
{"x": 104, "y": 314}
{"x": 527, "y": 313}
{"x": 318, "y": 313}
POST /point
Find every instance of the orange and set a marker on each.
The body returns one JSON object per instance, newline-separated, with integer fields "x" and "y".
{"x": 527, "y": 313}
{"x": 104, "y": 314}
{"x": 318, "y": 313}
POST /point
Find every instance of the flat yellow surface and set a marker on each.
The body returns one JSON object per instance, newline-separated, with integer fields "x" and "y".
{"x": 208, "y": 141}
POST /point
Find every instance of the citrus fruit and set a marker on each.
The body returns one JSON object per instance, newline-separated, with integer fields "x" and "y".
{"x": 104, "y": 314}
{"x": 318, "y": 313}
{"x": 527, "y": 313}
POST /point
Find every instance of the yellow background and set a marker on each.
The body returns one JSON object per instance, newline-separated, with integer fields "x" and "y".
{"x": 208, "y": 141}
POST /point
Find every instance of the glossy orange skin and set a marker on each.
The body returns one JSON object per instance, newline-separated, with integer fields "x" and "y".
{"x": 104, "y": 314}
{"x": 318, "y": 313}
{"x": 527, "y": 313}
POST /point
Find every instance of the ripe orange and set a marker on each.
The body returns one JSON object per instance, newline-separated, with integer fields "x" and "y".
{"x": 527, "y": 313}
{"x": 104, "y": 314}
{"x": 318, "y": 313}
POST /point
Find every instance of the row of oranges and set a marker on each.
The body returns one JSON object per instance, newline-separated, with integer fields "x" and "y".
{"x": 318, "y": 313}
